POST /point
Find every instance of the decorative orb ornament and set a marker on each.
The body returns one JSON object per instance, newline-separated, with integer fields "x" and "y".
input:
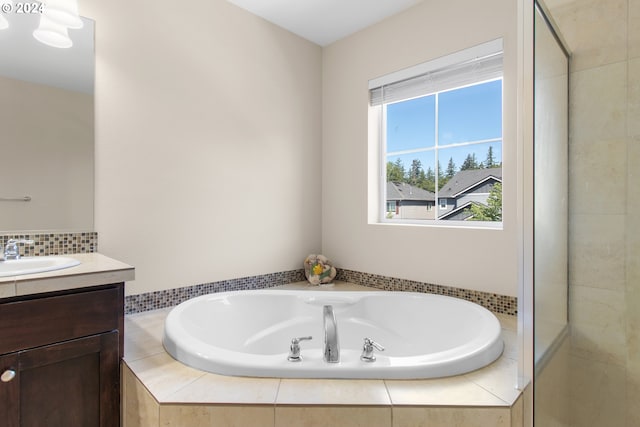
{"x": 318, "y": 270}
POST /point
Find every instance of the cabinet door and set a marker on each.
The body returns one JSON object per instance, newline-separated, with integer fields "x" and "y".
{"x": 48, "y": 319}
{"x": 9, "y": 391}
{"x": 74, "y": 383}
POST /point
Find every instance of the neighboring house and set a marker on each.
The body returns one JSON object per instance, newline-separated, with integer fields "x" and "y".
{"x": 465, "y": 188}
{"x": 405, "y": 201}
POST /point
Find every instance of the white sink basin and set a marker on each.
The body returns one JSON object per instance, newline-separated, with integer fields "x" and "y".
{"x": 37, "y": 264}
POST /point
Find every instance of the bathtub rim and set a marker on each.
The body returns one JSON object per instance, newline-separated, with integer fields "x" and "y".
{"x": 190, "y": 352}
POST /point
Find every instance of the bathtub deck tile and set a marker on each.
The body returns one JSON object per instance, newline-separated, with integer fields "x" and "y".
{"x": 143, "y": 334}
{"x": 508, "y": 322}
{"x": 332, "y": 392}
{"x": 216, "y": 416}
{"x": 139, "y": 408}
{"x": 170, "y": 381}
{"x": 337, "y": 285}
{"x": 498, "y": 378}
{"x": 227, "y": 390}
{"x": 453, "y": 391}
{"x": 163, "y": 375}
{"x": 510, "y": 339}
{"x": 443, "y": 416}
{"x": 509, "y": 325}
{"x": 324, "y": 416}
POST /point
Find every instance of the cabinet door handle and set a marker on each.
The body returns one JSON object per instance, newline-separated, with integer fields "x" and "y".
{"x": 7, "y": 375}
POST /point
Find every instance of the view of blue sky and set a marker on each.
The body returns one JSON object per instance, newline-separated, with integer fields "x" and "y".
{"x": 465, "y": 115}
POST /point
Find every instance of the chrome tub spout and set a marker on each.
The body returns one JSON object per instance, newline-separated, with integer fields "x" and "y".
{"x": 331, "y": 345}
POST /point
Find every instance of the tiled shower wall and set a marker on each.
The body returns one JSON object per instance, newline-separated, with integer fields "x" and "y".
{"x": 604, "y": 208}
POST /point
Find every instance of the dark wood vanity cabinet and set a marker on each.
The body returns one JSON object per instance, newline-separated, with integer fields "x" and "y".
{"x": 60, "y": 358}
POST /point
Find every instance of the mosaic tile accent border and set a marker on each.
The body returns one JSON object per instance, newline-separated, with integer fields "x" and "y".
{"x": 171, "y": 297}
{"x": 87, "y": 242}
{"x": 494, "y": 302}
{"x": 55, "y": 243}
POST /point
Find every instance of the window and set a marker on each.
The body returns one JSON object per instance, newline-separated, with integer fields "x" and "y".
{"x": 441, "y": 133}
{"x": 391, "y": 206}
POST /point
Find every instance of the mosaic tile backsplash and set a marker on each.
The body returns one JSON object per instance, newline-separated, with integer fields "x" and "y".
{"x": 168, "y": 298}
{"x": 85, "y": 242}
{"x": 55, "y": 243}
{"x": 497, "y": 303}
{"x": 171, "y": 297}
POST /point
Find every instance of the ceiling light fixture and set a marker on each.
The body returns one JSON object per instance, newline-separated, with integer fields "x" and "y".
{"x": 64, "y": 12}
{"x": 7, "y": 8}
{"x": 52, "y": 33}
{"x": 57, "y": 18}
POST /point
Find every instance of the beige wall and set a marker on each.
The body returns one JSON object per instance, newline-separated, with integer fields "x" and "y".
{"x": 208, "y": 127}
{"x": 203, "y": 174}
{"x": 469, "y": 258}
{"x": 604, "y": 160}
{"x": 47, "y": 153}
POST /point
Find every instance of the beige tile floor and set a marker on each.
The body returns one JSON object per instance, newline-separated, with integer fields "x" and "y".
{"x": 160, "y": 391}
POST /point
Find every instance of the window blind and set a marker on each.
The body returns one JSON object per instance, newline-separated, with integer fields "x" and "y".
{"x": 473, "y": 65}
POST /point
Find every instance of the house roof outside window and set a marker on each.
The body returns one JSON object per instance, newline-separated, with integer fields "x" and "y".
{"x": 464, "y": 181}
{"x": 399, "y": 191}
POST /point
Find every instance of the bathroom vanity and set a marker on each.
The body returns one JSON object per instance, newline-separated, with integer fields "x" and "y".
{"x": 61, "y": 341}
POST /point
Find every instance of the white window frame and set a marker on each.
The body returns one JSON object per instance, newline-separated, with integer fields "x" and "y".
{"x": 436, "y": 66}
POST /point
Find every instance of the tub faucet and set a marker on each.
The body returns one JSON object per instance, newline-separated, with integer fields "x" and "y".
{"x": 331, "y": 345}
{"x": 367, "y": 350}
{"x": 11, "y": 250}
{"x": 294, "y": 349}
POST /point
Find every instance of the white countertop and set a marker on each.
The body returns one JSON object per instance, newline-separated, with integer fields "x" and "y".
{"x": 94, "y": 269}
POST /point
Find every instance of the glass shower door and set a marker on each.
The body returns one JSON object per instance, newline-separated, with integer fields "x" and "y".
{"x": 550, "y": 224}
{"x": 551, "y": 140}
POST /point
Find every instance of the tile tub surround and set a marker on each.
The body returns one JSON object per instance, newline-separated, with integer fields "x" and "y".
{"x": 159, "y": 391}
{"x": 54, "y": 243}
{"x": 500, "y": 304}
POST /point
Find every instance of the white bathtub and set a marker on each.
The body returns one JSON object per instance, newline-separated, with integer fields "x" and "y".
{"x": 248, "y": 333}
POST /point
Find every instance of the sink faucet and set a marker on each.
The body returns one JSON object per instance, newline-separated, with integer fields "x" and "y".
{"x": 331, "y": 346}
{"x": 11, "y": 250}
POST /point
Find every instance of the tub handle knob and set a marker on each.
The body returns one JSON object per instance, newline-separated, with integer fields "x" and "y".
{"x": 294, "y": 350}
{"x": 367, "y": 350}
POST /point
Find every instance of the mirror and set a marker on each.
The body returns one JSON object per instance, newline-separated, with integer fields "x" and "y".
{"x": 46, "y": 129}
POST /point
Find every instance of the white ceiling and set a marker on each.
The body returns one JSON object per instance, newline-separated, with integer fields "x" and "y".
{"x": 320, "y": 21}
{"x": 324, "y": 21}
{"x": 22, "y": 57}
